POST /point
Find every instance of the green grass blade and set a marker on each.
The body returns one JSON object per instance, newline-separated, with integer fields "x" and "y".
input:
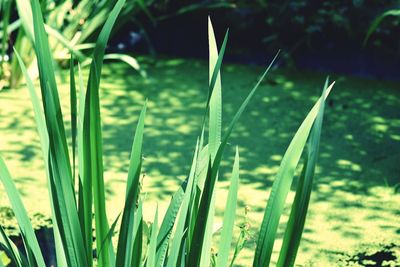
{"x": 125, "y": 239}
{"x": 30, "y": 240}
{"x": 151, "y": 250}
{"x": 84, "y": 187}
{"x": 215, "y": 125}
{"x": 229, "y": 216}
{"x": 136, "y": 261}
{"x": 12, "y": 26}
{"x": 200, "y": 173}
{"x": 192, "y": 215}
{"x": 12, "y": 249}
{"x": 93, "y": 152}
{"x": 131, "y": 61}
{"x": 281, "y": 187}
{"x": 44, "y": 141}
{"x": 216, "y": 68}
{"x": 202, "y": 217}
{"x": 136, "y": 154}
{"x": 298, "y": 213}
{"x": 59, "y": 164}
{"x": 38, "y": 112}
{"x": 196, "y": 244}
{"x": 168, "y": 223}
{"x": 201, "y": 170}
{"x": 205, "y": 257}
{"x": 180, "y": 224}
{"x": 375, "y": 23}
{"x": 111, "y": 232}
{"x": 73, "y": 105}
{"x": 216, "y": 98}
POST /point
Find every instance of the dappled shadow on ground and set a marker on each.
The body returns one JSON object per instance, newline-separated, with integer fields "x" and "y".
{"x": 358, "y": 167}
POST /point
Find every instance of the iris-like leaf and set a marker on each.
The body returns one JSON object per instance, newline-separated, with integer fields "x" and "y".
{"x": 214, "y": 129}
{"x": 31, "y": 244}
{"x": 92, "y": 141}
{"x": 136, "y": 260}
{"x": 151, "y": 250}
{"x": 73, "y": 105}
{"x": 44, "y": 141}
{"x": 168, "y": 223}
{"x": 63, "y": 195}
{"x": 281, "y": 187}
{"x": 229, "y": 216}
{"x": 295, "y": 226}
{"x": 177, "y": 242}
{"x": 126, "y": 239}
{"x": 202, "y": 217}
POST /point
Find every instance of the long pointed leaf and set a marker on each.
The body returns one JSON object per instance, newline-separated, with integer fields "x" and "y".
{"x": 168, "y": 223}
{"x": 44, "y": 141}
{"x": 229, "y": 216}
{"x": 25, "y": 225}
{"x": 151, "y": 251}
{"x": 215, "y": 125}
{"x": 198, "y": 235}
{"x": 136, "y": 261}
{"x": 180, "y": 225}
{"x": 281, "y": 187}
{"x": 73, "y": 104}
{"x": 125, "y": 242}
{"x": 59, "y": 164}
{"x": 295, "y": 226}
{"x": 93, "y": 153}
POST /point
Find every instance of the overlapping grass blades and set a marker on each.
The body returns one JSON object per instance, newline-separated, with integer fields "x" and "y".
{"x": 297, "y": 218}
{"x": 125, "y": 249}
{"x": 282, "y": 184}
{"x": 185, "y": 235}
{"x": 92, "y": 142}
{"x": 61, "y": 186}
{"x": 33, "y": 252}
{"x": 229, "y": 216}
{"x": 44, "y": 141}
{"x": 16, "y": 256}
{"x": 209, "y": 186}
{"x": 215, "y": 127}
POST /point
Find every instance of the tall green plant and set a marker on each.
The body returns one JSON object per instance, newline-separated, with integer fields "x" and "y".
{"x": 183, "y": 237}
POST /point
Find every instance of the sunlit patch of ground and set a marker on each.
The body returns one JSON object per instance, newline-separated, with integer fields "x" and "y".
{"x": 353, "y": 203}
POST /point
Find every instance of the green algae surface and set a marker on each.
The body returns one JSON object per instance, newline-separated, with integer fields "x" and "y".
{"x": 355, "y": 198}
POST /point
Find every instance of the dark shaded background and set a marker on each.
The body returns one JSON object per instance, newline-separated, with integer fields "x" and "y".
{"x": 320, "y": 35}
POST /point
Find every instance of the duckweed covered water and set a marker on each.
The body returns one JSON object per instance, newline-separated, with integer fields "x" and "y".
{"x": 354, "y": 202}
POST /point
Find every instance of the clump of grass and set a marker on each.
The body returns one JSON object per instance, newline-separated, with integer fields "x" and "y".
{"x": 184, "y": 235}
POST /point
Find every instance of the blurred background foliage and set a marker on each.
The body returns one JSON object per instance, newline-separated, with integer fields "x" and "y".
{"x": 323, "y": 35}
{"x": 72, "y": 27}
{"x": 353, "y": 37}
